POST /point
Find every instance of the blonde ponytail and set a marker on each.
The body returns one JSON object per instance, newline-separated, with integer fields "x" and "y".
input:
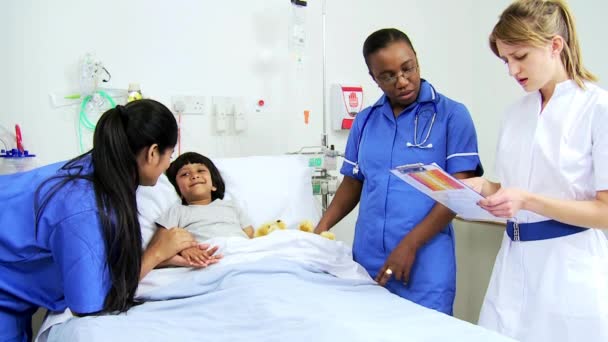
{"x": 536, "y": 23}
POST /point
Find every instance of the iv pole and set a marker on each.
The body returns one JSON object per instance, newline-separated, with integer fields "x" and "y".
{"x": 323, "y": 16}
{"x": 321, "y": 173}
{"x": 324, "y": 197}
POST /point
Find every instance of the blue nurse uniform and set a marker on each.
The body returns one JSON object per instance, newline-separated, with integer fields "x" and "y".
{"x": 390, "y": 208}
{"x": 60, "y": 264}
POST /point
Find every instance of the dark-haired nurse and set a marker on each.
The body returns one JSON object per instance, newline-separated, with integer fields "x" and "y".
{"x": 402, "y": 237}
{"x": 69, "y": 232}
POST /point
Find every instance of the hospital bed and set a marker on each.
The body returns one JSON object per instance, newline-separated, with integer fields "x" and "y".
{"x": 286, "y": 286}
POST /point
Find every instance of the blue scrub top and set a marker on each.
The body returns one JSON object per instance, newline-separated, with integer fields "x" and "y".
{"x": 61, "y": 265}
{"x": 390, "y": 208}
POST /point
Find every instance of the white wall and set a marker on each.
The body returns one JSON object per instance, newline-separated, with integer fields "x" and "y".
{"x": 170, "y": 48}
{"x": 240, "y": 48}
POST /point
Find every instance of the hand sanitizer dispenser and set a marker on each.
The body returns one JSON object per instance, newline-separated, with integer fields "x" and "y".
{"x": 346, "y": 102}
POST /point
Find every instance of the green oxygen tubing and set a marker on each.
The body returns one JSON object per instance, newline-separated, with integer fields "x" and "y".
{"x": 83, "y": 120}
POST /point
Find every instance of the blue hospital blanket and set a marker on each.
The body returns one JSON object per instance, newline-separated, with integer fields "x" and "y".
{"x": 287, "y": 286}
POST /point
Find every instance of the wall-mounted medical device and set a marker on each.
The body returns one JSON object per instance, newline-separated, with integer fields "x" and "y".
{"x": 345, "y": 102}
{"x": 229, "y": 114}
{"x": 89, "y": 98}
{"x": 322, "y": 161}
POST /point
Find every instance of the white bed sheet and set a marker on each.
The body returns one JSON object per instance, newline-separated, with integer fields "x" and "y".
{"x": 287, "y": 286}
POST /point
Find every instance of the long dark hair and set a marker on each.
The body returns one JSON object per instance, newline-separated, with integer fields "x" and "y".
{"x": 195, "y": 158}
{"x": 121, "y": 133}
{"x": 381, "y": 39}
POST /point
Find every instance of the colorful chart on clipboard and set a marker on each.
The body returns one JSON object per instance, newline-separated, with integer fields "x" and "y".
{"x": 435, "y": 180}
{"x": 436, "y": 183}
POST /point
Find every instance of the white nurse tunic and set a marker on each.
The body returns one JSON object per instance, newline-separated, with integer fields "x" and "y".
{"x": 553, "y": 289}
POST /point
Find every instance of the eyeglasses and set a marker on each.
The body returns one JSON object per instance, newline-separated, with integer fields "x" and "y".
{"x": 406, "y": 72}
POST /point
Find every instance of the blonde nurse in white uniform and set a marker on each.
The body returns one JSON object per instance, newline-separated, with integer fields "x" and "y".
{"x": 550, "y": 279}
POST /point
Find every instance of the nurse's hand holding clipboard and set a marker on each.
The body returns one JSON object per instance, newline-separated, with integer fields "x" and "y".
{"x": 498, "y": 201}
{"x": 506, "y": 202}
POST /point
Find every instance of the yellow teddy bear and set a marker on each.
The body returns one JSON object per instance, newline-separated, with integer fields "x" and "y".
{"x": 269, "y": 227}
{"x": 307, "y": 226}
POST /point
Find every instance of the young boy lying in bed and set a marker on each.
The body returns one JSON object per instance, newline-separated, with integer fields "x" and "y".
{"x": 203, "y": 210}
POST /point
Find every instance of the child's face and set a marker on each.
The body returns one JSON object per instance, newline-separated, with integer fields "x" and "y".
{"x": 194, "y": 182}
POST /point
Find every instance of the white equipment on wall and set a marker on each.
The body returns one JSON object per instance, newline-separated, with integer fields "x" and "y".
{"x": 221, "y": 111}
{"x": 346, "y": 102}
{"x": 229, "y": 114}
{"x": 240, "y": 122}
{"x": 91, "y": 100}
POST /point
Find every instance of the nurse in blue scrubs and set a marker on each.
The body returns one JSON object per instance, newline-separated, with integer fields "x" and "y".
{"x": 69, "y": 232}
{"x": 402, "y": 237}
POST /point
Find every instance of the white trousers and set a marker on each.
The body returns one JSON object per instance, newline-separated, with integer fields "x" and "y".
{"x": 550, "y": 290}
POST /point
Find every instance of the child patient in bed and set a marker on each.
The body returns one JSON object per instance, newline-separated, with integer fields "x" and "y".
{"x": 203, "y": 211}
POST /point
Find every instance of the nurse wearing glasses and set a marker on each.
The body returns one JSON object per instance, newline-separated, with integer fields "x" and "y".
{"x": 402, "y": 237}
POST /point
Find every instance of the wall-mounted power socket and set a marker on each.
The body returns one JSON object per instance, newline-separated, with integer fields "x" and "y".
{"x": 189, "y": 104}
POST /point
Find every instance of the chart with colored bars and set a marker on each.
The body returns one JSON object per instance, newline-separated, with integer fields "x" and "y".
{"x": 436, "y": 180}
{"x": 439, "y": 185}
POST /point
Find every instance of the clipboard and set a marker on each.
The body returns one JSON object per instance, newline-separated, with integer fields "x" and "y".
{"x": 442, "y": 187}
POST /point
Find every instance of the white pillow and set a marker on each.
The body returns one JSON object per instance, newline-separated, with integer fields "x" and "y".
{"x": 267, "y": 188}
{"x": 270, "y": 188}
{"x": 153, "y": 201}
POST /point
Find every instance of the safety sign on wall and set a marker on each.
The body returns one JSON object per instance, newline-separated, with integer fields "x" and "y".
{"x": 346, "y": 102}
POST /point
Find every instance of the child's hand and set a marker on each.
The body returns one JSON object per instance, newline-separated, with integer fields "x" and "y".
{"x": 201, "y": 255}
{"x": 194, "y": 256}
{"x": 179, "y": 261}
{"x": 249, "y": 231}
{"x": 210, "y": 252}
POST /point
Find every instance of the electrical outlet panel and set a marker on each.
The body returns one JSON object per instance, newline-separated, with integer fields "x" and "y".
{"x": 194, "y": 105}
{"x": 240, "y": 122}
{"x": 229, "y": 114}
{"x": 221, "y": 112}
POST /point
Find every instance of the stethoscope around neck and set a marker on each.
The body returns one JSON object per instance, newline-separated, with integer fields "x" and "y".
{"x": 423, "y": 144}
